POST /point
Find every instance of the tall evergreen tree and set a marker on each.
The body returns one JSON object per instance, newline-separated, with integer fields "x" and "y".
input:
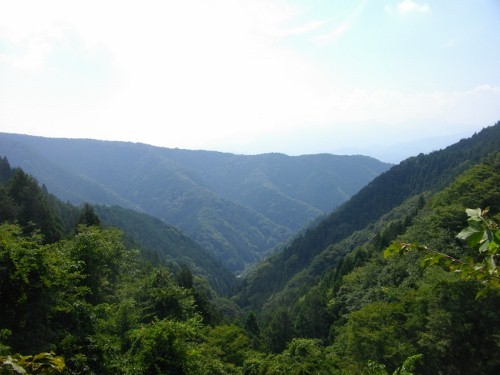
{"x": 88, "y": 216}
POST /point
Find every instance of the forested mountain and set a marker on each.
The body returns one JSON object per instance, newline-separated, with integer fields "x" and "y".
{"x": 375, "y": 313}
{"x": 405, "y": 281}
{"x": 167, "y": 244}
{"x": 25, "y": 202}
{"x": 236, "y": 206}
{"x": 332, "y": 296}
{"x": 69, "y": 283}
{"x": 307, "y": 257}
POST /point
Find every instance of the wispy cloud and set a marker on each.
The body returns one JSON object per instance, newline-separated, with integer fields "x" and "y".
{"x": 341, "y": 28}
{"x": 408, "y": 6}
{"x": 335, "y": 34}
{"x": 299, "y": 30}
{"x": 31, "y": 53}
{"x": 35, "y": 54}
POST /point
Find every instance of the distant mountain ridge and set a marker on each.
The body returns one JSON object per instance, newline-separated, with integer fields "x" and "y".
{"x": 236, "y": 206}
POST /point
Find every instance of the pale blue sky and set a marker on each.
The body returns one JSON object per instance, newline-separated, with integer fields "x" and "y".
{"x": 251, "y": 76}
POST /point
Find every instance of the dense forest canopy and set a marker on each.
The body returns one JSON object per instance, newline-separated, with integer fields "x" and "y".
{"x": 81, "y": 297}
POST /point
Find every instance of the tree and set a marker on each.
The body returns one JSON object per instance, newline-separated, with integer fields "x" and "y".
{"x": 185, "y": 277}
{"x": 88, "y": 216}
{"x": 34, "y": 210}
{"x": 279, "y": 330}
{"x": 164, "y": 347}
{"x": 161, "y": 298}
{"x": 376, "y": 332}
{"x": 23, "y": 271}
{"x": 102, "y": 256}
{"x": 251, "y": 324}
{"x": 8, "y": 210}
{"x": 229, "y": 343}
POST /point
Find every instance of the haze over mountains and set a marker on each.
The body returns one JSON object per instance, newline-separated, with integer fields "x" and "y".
{"x": 238, "y": 207}
{"x": 394, "y": 149}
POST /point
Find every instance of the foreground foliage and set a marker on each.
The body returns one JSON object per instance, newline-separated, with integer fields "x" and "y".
{"x": 43, "y": 363}
{"x": 482, "y": 235}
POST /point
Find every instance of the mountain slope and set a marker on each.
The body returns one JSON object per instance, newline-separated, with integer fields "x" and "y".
{"x": 24, "y": 202}
{"x": 384, "y": 310}
{"x": 412, "y": 177}
{"x": 236, "y": 206}
{"x": 152, "y": 234}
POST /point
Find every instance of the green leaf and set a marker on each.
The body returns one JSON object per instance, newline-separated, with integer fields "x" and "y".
{"x": 471, "y": 212}
{"x": 474, "y": 213}
{"x": 392, "y": 249}
{"x": 493, "y": 247}
{"x": 482, "y": 293}
{"x": 431, "y": 259}
{"x": 492, "y": 266}
{"x": 484, "y": 246}
{"x": 409, "y": 365}
{"x": 15, "y": 367}
{"x": 466, "y": 233}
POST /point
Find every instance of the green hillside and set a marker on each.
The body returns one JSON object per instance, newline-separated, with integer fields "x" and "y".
{"x": 26, "y": 203}
{"x": 238, "y": 207}
{"x": 414, "y": 176}
{"x": 71, "y": 284}
{"x": 410, "y": 287}
{"x": 368, "y": 309}
{"x": 168, "y": 244}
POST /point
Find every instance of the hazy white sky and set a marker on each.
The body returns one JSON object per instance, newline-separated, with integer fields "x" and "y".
{"x": 250, "y": 76}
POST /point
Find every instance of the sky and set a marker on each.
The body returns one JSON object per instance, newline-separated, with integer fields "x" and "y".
{"x": 386, "y": 78}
